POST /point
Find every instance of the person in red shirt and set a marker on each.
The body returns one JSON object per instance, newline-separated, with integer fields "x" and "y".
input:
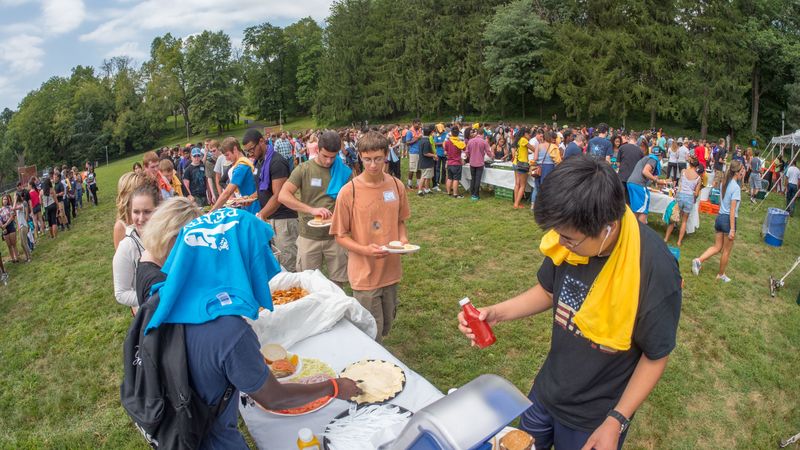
{"x": 700, "y": 153}
{"x": 36, "y": 207}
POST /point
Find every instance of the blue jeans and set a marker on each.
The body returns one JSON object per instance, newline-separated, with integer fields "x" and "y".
{"x": 547, "y": 431}
{"x": 791, "y": 191}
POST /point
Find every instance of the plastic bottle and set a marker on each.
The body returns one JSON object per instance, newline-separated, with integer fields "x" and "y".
{"x": 306, "y": 440}
{"x": 484, "y": 336}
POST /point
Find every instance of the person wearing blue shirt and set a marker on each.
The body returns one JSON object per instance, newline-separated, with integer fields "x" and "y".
{"x": 573, "y": 148}
{"x": 599, "y": 146}
{"x": 725, "y": 224}
{"x": 412, "y": 137}
{"x": 222, "y": 349}
{"x": 440, "y": 165}
{"x": 241, "y": 178}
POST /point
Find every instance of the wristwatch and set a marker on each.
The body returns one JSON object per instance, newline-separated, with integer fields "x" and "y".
{"x": 623, "y": 421}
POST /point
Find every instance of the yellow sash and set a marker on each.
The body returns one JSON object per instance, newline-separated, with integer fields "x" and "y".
{"x": 609, "y": 310}
{"x": 457, "y": 142}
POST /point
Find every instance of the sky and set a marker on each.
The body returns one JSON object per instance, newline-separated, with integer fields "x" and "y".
{"x": 40, "y": 39}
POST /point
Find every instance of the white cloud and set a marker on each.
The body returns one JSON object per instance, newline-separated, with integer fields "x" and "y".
{"x": 21, "y": 55}
{"x": 196, "y": 15}
{"x": 14, "y": 2}
{"x": 128, "y": 49}
{"x": 61, "y": 16}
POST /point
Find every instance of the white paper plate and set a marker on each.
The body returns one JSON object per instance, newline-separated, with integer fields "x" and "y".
{"x": 314, "y": 224}
{"x": 410, "y": 248}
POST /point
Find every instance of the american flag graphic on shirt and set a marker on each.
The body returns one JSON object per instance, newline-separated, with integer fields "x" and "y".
{"x": 573, "y": 293}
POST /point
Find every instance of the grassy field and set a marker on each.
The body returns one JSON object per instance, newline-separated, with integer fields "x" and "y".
{"x": 731, "y": 383}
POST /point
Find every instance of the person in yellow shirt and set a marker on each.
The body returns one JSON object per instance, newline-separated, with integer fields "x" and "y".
{"x": 521, "y": 152}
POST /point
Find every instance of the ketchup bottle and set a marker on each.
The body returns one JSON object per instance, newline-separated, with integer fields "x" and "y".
{"x": 482, "y": 331}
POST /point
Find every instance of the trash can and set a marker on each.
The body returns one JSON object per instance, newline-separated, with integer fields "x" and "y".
{"x": 774, "y": 226}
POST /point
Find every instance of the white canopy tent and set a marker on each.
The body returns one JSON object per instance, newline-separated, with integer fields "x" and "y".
{"x": 778, "y": 145}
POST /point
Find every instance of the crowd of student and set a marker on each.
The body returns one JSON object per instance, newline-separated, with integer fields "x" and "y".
{"x": 43, "y": 206}
{"x": 352, "y": 177}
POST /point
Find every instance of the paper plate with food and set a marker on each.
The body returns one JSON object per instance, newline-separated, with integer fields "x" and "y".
{"x": 400, "y": 248}
{"x": 284, "y": 296}
{"x": 281, "y": 363}
{"x": 363, "y": 427}
{"x": 309, "y": 371}
{"x": 320, "y": 222}
{"x": 237, "y": 202}
{"x": 380, "y": 381}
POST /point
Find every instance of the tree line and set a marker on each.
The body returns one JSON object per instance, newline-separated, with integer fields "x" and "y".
{"x": 726, "y": 65}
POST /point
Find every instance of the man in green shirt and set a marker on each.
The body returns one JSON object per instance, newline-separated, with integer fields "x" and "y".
{"x": 311, "y": 179}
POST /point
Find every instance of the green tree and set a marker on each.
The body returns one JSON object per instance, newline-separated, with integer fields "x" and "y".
{"x": 168, "y": 69}
{"x": 210, "y": 80}
{"x": 516, "y": 39}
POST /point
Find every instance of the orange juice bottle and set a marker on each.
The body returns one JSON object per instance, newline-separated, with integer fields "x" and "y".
{"x": 306, "y": 440}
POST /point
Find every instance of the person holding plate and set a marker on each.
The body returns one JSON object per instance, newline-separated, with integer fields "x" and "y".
{"x": 613, "y": 290}
{"x": 371, "y": 211}
{"x": 319, "y": 181}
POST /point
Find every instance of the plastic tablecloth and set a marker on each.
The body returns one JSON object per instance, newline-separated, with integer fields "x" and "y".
{"x": 341, "y": 346}
{"x": 501, "y": 174}
{"x": 659, "y": 203}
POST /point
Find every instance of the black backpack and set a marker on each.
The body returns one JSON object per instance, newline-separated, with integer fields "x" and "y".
{"x": 156, "y": 391}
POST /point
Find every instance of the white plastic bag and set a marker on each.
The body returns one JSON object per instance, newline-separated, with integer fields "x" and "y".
{"x": 324, "y": 306}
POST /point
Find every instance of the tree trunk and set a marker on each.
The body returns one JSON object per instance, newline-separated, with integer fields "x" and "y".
{"x": 523, "y": 105}
{"x": 175, "y": 115}
{"x": 541, "y": 112}
{"x": 756, "y": 98}
{"x": 185, "y": 111}
{"x": 652, "y": 117}
{"x": 704, "y": 115}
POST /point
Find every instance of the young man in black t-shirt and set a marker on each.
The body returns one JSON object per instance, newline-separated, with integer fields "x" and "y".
{"x": 588, "y": 389}
{"x": 269, "y": 182}
{"x": 194, "y": 178}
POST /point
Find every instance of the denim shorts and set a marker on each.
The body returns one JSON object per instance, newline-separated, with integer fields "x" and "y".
{"x": 685, "y": 202}
{"x": 723, "y": 223}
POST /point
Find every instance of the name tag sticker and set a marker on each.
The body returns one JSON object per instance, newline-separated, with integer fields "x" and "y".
{"x": 316, "y": 182}
{"x": 388, "y": 196}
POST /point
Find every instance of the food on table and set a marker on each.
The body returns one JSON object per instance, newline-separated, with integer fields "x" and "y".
{"x": 282, "y": 368}
{"x": 395, "y": 245}
{"x": 284, "y": 296}
{"x": 356, "y": 430}
{"x": 314, "y": 368}
{"x": 308, "y": 407}
{"x": 311, "y": 371}
{"x": 516, "y": 440}
{"x": 379, "y": 380}
{"x": 280, "y": 363}
{"x": 273, "y": 352}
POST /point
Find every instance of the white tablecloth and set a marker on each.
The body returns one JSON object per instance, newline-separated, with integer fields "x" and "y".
{"x": 659, "y": 203}
{"x": 339, "y": 347}
{"x": 502, "y": 177}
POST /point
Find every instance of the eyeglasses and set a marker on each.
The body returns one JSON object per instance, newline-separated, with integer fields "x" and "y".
{"x": 570, "y": 244}
{"x": 249, "y": 149}
{"x": 376, "y": 160}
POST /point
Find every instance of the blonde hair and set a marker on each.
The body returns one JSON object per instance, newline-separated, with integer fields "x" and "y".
{"x": 229, "y": 143}
{"x": 128, "y": 182}
{"x": 165, "y": 224}
{"x": 166, "y": 165}
{"x": 149, "y": 157}
{"x": 213, "y": 143}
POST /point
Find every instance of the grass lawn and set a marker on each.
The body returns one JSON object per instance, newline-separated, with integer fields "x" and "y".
{"x": 731, "y": 383}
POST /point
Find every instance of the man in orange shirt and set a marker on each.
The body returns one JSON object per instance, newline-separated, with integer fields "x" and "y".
{"x": 371, "y": 211}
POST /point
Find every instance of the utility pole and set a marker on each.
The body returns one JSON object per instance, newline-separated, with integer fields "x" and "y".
{"x": 280, "y": 119}
{"x": 106, "y": 149}
{"x": 783, "y": 116}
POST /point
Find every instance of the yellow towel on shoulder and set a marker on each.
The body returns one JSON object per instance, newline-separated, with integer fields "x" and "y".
{"x": 609, "y": 310}
{"x": 246, "y": 161}
{"x": 458, "y": 142}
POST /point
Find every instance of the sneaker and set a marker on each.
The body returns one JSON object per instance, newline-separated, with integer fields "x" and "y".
{"x": 474, "y": 198}
{"x": 696, "y": 266}
{"x": 724, "y": 278}
{"x": 436, "y": 189}
{"x": 753, "y": 200}
{"x": 428, "y": 191}
{"x": 421, "y": 193}
{"x": 459, "y": 196}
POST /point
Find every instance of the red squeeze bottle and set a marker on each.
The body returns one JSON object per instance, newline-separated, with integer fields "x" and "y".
{"x": 484, "y": 336}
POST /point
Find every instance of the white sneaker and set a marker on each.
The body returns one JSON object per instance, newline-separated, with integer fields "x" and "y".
{"x": 428, "y": 191}
{"x": 436, "y": 189}
{"x": 724, "y": 278}
{"x": 696, "y": 266}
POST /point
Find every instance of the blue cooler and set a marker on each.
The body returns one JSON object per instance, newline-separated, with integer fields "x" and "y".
{"x": 713, "y": 196}
{"x": 775, "y": 226}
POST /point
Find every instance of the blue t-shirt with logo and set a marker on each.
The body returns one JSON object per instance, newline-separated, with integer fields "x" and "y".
{"x": 225, "y": 350}
{"x": 413, "y": 149}
{"x": 220, "y": 265}
{"x": 600, "y": 147}
{"x": 244, "y": 179}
